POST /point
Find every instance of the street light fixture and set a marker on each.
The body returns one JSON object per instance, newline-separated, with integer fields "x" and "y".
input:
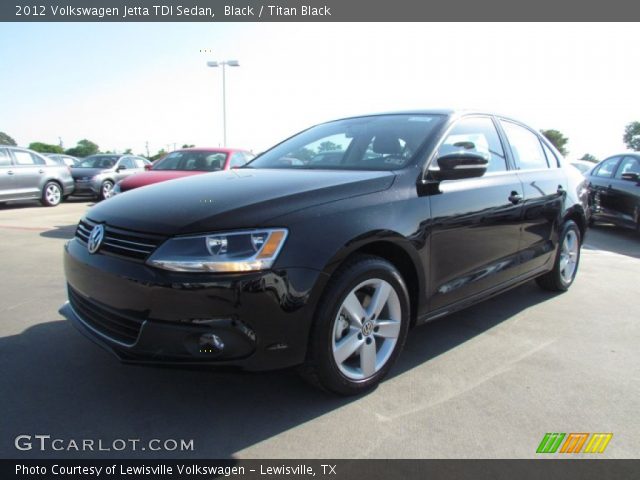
{"x": 224, "y": 63}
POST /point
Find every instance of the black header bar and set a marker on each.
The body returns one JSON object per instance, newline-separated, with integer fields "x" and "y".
{"x": 314, "y": 10}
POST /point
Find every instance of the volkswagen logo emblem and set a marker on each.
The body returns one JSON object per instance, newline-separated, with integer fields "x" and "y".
{"x": 367, "y": 328}
{"x": 95, "y": 239}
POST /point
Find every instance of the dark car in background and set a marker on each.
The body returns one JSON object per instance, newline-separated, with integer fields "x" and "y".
{"x": 184, "y": 163}
{"x": 96, "y": 175}
{"x": 63, "y": 159}
{"x": 327, "y": 265}
{"x": 614, "y": 190}
{"x": 25, "y": 175}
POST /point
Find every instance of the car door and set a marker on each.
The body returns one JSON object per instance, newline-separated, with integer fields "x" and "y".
{"x": 624, "y": 194}
{"x": 125, "y": 167}
{"x": 544, "y": 190}
{"x": 6, "y": 175}
{"x": 475, "y": 222}
{"x": 600, "y": 187}
{"x": 28, "y": 169}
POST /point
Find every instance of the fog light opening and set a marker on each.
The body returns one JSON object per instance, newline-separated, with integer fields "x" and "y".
{"x": 210, "y": 343}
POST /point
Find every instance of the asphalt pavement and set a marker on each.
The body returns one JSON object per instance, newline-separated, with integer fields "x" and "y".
{"x": 487, "y": 382}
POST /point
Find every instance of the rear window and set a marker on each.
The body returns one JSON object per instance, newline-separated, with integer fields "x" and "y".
{"x": 204, "y": 161}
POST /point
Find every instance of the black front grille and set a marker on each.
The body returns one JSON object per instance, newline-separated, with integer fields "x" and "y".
{"x": 124, "y": 243}
{"x": 124, "y": 329}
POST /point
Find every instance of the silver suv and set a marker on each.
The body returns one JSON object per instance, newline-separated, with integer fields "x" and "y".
{"x": 96, "y": 175}
{"x": 25, "y": 175}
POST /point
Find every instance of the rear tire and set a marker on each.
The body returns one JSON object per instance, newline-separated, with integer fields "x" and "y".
{"x": 567, "y": 260}
{"x": 360, "y": 327}
{"x": 51, "y": 194}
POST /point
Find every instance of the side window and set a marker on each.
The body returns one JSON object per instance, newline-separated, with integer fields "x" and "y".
{"x": 551, "y": 157}
{"x": 26, "y": 158}
{"x": 607, "y": 167}
{"x": 628, "y": 165}
{"x": 5, "y": 160}
{"x": 525, "y": 146}
{"x": 139, "y": 162}
{"x": 476, "y": 134}
{"x": 127, "y": 162}
{"x": 238, "y": 159}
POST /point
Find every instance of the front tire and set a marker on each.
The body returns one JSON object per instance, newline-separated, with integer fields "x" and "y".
{"x": 360, "y": 327}
{"x": 567, "y": 260}
{"x": 51, "y": 194}
{"x": 106, "y": 190}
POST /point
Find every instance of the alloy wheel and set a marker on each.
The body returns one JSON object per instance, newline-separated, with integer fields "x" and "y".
{"x": 53, "y": 194}
{"x": 569, "y": 256}
{"x": 366, "y": 329}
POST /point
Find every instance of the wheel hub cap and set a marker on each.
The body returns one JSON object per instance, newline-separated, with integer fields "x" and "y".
{"x": 367, "y": 328}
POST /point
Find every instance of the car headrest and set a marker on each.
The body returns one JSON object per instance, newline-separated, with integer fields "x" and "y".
{"x": 387, "y": 144}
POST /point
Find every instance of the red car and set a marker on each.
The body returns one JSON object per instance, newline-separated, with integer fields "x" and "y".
{"x": 186, "y": 162}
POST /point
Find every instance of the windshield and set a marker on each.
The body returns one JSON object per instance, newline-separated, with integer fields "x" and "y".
{"x": 384, "y": 142}
{"x": 204, "y": 161}
{"x": 98, "y": 161}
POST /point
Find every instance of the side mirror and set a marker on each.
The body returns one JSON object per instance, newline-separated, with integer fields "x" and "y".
{"x": 121, "y": 167}
{"x": 147, "y": 167}
{"x": 631, "y": 176}
{"x": 459, "y": 165}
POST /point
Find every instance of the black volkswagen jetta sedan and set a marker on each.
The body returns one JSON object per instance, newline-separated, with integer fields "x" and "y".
{"x": 297, "y": 260}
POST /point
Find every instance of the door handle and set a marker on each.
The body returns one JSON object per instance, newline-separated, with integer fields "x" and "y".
{"x": 515, "y": 197}
{"x": 10, "y": 172}
{"x": 41, "y": 171}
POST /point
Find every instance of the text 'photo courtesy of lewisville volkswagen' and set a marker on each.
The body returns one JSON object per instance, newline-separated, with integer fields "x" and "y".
{"x": 331, "y": 261}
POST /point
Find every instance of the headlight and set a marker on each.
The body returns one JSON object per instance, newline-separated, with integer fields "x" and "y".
{"x": 245, "y": 251}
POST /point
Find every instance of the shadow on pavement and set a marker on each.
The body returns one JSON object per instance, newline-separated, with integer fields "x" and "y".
{"x": 65, "y": 232}
{"x": 18, "y": 204}
{"x": 56, "y": 382}
{"x": 610, "y": 238}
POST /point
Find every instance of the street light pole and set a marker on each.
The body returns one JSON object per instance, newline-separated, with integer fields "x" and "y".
{"x": 224, "y": 63}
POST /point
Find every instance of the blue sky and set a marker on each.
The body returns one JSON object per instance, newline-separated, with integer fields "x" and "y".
{"x": 122, "y": 84}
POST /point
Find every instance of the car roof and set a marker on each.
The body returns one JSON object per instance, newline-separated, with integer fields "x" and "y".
{"x": 449, "y": 112}
{"x": 212, "y": 149}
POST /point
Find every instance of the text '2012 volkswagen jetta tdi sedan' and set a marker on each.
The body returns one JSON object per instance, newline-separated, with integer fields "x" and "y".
{"x": 326, "y": 260}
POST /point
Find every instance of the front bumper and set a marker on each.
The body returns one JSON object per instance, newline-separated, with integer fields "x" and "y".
{"x": 147, "y": 315}
{"x": 86, "y": 187}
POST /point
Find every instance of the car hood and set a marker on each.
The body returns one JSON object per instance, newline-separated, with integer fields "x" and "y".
{"x": 232, "y": 199}
{"x": 154, "y": 176}
{"x": 86, "y": 172}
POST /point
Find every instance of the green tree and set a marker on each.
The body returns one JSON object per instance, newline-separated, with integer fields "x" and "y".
{"x": 188, "y": 146}
{"x": 557, "y": 139}
{"x": 328, "y": 147}
{"x": 45, "y": 147}
{"x": 587, "y": 157}
{"x": 127, "y": 151}
{"x": 84, "y": 148}
{"x": 632, "y": 136}
{"x": 6, "y": 139}
{"x": 161, "y": 153}
{"x": 304, "y": 154}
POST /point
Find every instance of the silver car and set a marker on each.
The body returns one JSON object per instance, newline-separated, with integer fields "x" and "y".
{"x": 25, "y": 175}
{"x": 97, "y": 174}
{"x": 63, "y": 159}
